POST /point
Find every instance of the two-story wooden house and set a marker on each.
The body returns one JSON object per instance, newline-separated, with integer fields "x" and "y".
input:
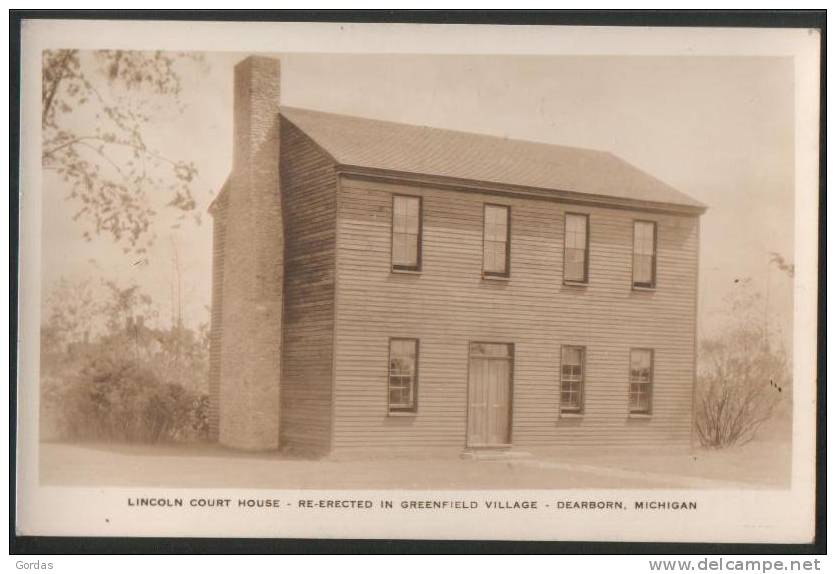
{"x": 387, "y": 286}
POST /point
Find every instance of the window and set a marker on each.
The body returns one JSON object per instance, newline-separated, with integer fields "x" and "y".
{"x": 497, "y": 252}
{"x": 403, "y": 375}
{"x": 406, "y": 233}
{"x": 571, "y": 379}
{"x": 644, "y": 254}
{"x": 576, "y": 246}
{"x": 492, "y": 350}
{"x": 641, "y": 380}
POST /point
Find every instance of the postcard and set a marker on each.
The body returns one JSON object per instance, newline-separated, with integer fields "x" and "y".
{"x": 312, "y": 280}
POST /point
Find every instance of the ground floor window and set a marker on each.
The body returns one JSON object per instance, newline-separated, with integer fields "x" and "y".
{"x": 403, "y": 375}
{"x": 571, "y": 379}
{"x": 641, "y": 380}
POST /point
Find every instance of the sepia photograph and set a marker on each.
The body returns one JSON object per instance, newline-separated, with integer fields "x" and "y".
{"x": 547, "y": 285}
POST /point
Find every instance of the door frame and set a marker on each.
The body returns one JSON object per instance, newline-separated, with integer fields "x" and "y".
{"x": 512, "y": 359}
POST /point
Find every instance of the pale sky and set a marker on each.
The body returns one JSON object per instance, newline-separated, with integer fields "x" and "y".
{"x": 720, "y": 129}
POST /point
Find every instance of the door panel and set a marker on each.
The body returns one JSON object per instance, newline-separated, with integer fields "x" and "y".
{"x": 478, "y": 403}
{"x": 498, "y": 396}
{"x": 489, "y": 401}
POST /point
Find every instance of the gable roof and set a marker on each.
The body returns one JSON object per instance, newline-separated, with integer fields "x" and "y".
{"x": 462, "y": 156}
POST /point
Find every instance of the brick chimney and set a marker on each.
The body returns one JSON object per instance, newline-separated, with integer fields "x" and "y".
{"x": 249, "y": 267}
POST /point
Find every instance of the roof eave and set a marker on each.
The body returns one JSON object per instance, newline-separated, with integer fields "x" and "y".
{"x": 546, "y": 194}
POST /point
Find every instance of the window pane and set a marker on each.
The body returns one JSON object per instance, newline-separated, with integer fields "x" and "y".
{"x": 570, "y": 400}
{"x": 640, "y": 365}
{"x": 489, "y": 261}
{"x": 412, "y": 224}
{"x": 640, "y": 397}
{"x": 400, "y": 253}
{"x": 643, "y": 240}
{"x": 411, "y": 248}
{"x": 576, "y": 231}
{"x": 642, "y": 269}
{"x": 571, "y": 356}
{"x": 494, "y": 259}
{"x": 495, "y": 256}
{"x": 575, "y": 264}
{"x": 491, "y": 349}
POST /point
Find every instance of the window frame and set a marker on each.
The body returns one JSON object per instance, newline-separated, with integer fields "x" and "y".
{"x": 585, "y": 280}
{"x": 640, "y": 284}
{"x": 581, "y": 391}
{"x": 402, "y": 410}
{"x": 649, "y": 410}
{"x": 494, "y": 274}
{"x": 394, "y": 267}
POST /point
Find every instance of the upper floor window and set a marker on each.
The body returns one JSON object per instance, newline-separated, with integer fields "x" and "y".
{"x": 644, "y": 254}
{"x": 571, "y": 379}
{"x": 576, "y": 248}
{"x": 496, "y": 257}
{"x": 406, "y": 233}
{"x": 641, "y": 380}
{"x": 403, "y": 375}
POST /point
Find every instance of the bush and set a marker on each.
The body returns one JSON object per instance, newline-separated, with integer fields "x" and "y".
{"x": 738, "y": 389}
{"x": 115, "y": 398}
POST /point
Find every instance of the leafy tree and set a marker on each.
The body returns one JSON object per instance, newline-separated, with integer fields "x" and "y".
{"x": 109, "y": 374}
{"x": 71, "y": 310}
{"x": 123, "y": 305}
{"x": 96, "y": 108}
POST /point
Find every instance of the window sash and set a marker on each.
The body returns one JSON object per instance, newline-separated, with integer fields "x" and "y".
{"x": 640, "y": 397}
{"x": 572, "y": 378}
{"x": 641, "y": 380}
{"x": 644, "y": 253}
{"x": 495, "y": 258}
{"x": 403, "y": 374}
{"x": 406, "y": 232}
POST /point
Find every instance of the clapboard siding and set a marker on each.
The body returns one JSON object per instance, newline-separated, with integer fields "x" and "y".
{"x": 449, "y": 304}
{"x": 309, "y": 207}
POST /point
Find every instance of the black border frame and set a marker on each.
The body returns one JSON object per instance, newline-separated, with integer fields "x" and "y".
{"x": 683, "y": 18}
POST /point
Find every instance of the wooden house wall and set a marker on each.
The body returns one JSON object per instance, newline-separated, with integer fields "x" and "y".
{"x": 448, "y": 304}
{"x": 308, "y": 185}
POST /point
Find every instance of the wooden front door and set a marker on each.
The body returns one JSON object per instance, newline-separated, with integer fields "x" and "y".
{"x": 489, "y": 395}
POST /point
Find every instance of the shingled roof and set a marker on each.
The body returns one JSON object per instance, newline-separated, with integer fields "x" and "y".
{"x": 395, "y": 148}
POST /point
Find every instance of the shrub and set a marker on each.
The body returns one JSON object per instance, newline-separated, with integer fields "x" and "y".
{"x": 738, "y": 388}
{"x": 116, "y": 398}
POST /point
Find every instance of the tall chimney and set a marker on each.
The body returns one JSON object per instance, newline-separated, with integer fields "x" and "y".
{"x": 251, "y": 283}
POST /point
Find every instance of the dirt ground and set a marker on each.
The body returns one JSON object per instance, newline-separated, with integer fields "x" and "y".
{"x": 757, "y": 465}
